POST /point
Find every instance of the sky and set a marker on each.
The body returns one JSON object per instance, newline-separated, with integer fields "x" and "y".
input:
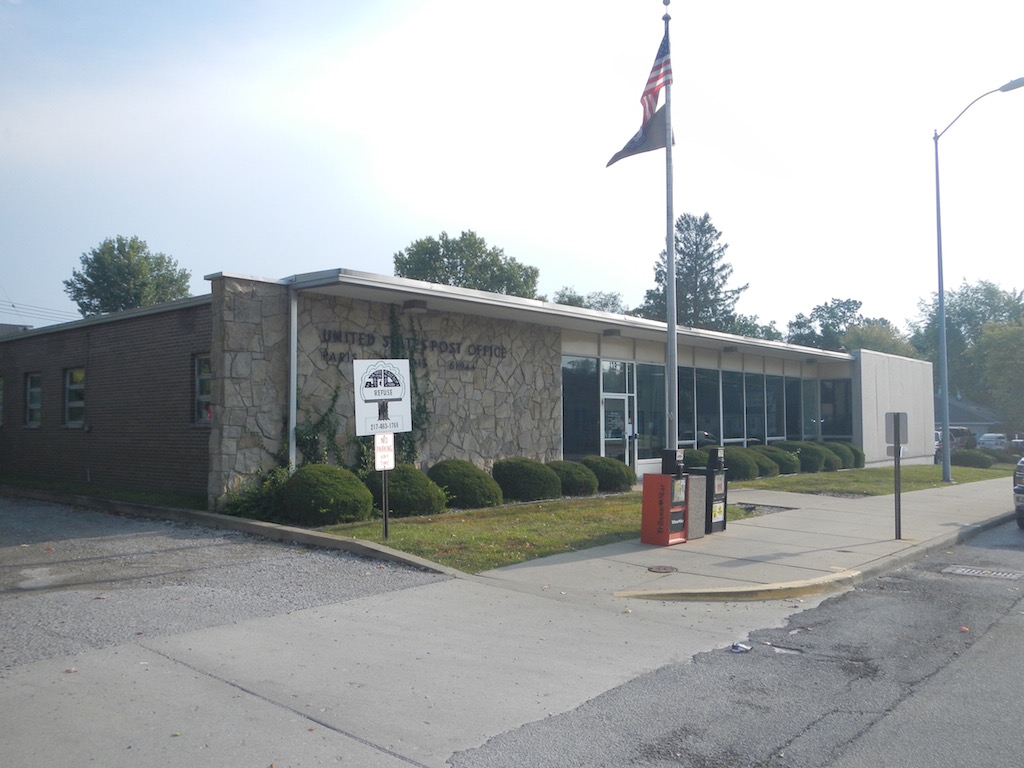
{"x": 270, "y": 139}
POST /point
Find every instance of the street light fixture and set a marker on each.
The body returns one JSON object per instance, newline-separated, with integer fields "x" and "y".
{"x": 943, "y": 361}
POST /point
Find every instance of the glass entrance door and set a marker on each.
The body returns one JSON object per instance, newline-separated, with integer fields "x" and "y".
{"x": 619, "y": 434}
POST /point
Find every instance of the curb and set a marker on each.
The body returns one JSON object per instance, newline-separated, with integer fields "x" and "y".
{"x": 820, "y": 584}
{"x": 271, "y": 531}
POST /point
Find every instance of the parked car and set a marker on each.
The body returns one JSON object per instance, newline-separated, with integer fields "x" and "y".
{"x": 1018, "y": 492}
{"x": 994, "y": 440}
{"x": 962, "y": 439}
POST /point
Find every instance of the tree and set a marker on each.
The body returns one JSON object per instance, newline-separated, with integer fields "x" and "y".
{"x": 968, "y": 310}
{"x": 880, "y": 336}
{"x": 1001, "y": 362}
{"x": 826, "y": 325}
{"x": 702, "y": 300}
{"x": 121, "y": 273}
{"x": 467, "y": 262}
{"x": 599, "y": 300}
{"x": 751, "y": 327}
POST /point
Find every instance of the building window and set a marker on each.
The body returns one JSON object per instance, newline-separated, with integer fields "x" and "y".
{"x": 33, "y": 399}
{"x": 732, "y": 406}
{"x": 687, "y": 408}
{"x": 1, "y": 402}
{"x": 775, "y": 406}
{"x": 753, "y": 390}
{"x": 837, "y": 409}
{"x": 581, "y": 408}
{"x": 74, "y": 397}
{"x": 650, "y": 410}
{"x": 709, "y": 407}
{"x": 203, "y": 387}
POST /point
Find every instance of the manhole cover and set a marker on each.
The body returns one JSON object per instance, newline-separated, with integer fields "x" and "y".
{"x": 662, "y": 569}
{"x": 966, "y": 570}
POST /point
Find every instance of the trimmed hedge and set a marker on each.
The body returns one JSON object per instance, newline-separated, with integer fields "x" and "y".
{"x": 466, "y": 485}
{"x": 812, "y": 456}
{"x": 787, "y": 461}
{"x": 523, "y": 479}
{"x": 740, "y": 463}
{"x": 577, "y": 479}
{"x": 999, "y": 457}
{"x": 971, "y": 458}
{"x": 322, "y": 494}
{"x": 612, "y": 475}
{"x": 410, "y": 492}
{"x": 766, "y": 465}
{"x": 695, "y": 458}
{"x": 842, "y": 450}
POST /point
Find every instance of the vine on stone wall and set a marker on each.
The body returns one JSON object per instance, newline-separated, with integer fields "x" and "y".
{"x": 316, "y": 439}
{"x": 407, "y": 444}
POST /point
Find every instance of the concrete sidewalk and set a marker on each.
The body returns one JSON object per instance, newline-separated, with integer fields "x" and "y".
{"x": 812, "y": 544}
{"x": 415, "y": 676}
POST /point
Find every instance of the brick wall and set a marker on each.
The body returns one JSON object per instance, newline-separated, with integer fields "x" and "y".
{"x": 140, "y": 432}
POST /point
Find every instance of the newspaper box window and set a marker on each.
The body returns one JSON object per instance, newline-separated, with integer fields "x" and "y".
{"x": 382, "y": 396}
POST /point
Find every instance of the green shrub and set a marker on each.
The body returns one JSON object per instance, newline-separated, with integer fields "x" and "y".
{"x": 410, "y": 492}
{"x": 830, "y": 460}
{"x": 788, "y": 462}
{"x": 766, "y": 465}
{"x": 695, "y": 458}
{"x": 858, "y": 456}
{"x": 842, "y": 450}
{"x": 612, "y": 475}
{"x": 466, "y": 485}
{"x": 523, "y": 479}
{"x": 259, "y": 499}
{"x": 971, "y": 458}
{"x": 323, "y": 494}
{"x": 811, "y": 455}
{"x": 740, "y": 464}
{"x": 999, "y": 457}
{"x": 577, "y": 479}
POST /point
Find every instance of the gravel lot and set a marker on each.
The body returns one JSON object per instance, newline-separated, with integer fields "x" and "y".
{"x": 74, "y": 579}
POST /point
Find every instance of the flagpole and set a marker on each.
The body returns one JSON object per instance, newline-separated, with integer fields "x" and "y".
{"x": 671, "y": 364}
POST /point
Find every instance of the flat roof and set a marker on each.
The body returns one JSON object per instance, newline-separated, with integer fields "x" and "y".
{"x": 445, "y": 298}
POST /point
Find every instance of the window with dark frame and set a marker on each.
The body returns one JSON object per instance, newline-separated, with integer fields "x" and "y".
{"x": 203, "y": 386}
{"x": 33, "y": 399}
{"x": 74, "y": 397}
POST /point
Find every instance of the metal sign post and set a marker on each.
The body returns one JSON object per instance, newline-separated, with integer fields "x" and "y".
{"x": 896, "y": 435}
{"x": 383, "y": 407}
{"x": 383, "y": 461}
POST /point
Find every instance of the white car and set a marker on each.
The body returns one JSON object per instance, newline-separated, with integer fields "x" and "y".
{"x": 995, "y": 440}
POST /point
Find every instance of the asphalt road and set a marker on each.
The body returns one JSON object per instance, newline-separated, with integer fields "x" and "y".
{"x": 919, "y": 668}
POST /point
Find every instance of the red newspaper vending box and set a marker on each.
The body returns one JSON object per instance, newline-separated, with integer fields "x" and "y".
{"x": 663, "y": 510}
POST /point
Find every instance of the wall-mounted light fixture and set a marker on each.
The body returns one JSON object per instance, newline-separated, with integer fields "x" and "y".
{"x": 414, "y": 305}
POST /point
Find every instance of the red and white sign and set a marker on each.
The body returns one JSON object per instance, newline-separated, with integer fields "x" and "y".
{"x": 383, "y": 451}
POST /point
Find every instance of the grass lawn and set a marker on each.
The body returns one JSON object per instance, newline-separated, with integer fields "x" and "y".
{"x": 478, "y": 540}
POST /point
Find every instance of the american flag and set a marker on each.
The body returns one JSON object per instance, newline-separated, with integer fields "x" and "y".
{"x": 661, "y": 75}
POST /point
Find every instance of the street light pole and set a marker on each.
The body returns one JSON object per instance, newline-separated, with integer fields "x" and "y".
{"x": 943, "y": 360}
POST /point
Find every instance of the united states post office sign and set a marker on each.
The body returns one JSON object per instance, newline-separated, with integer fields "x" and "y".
{"x": 382, "y": 396}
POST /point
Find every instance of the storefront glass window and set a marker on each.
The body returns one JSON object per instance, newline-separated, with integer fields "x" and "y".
{"x": 650, "y": 410}
{"x": 732, "y": 405}
{"x": 754, "y": 398}
{"x": 581, "y": 408}
{"x": 709, "y": 406}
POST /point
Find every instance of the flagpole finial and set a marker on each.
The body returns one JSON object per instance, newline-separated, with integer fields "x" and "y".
{"x": 666, "y": 17}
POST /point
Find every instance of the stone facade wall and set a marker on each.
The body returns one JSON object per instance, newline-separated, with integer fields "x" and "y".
{"x": 492, "y": 389}
{"x": 249, "y": 357}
